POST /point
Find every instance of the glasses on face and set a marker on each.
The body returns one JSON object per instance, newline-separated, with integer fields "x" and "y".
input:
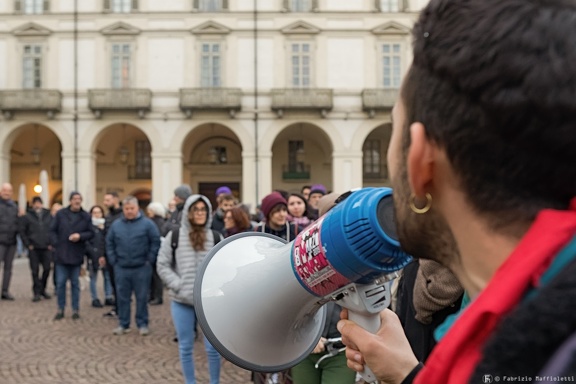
{"x": 199, "y": 210}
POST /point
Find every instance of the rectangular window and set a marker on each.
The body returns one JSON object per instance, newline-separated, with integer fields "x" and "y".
{"x": 121, "y": 65}
{"x": 391, "y": 66}
{"x": 300, "y": 5}
{"x": 211, "y": 65}
{"x": 390, "y": 5}
{"x": 300, "y": 61}
{"x": 296, "y": 156}
{"x": 210, "y": 6}
{"x": 33, "y": 7}
{"x": 143, "y": 159}
{"x": 32, "y": 66}
{"x": 371, "y": 159}
{"x": 121, "y": 6}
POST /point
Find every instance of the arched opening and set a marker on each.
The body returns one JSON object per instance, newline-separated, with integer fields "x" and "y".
{"x": 123, "y": 161}
{"x": 301, "y": 155}
{"x": 212, "y": 158}
{"x": 34, "y": 149}
{"x": 374, "y": 151}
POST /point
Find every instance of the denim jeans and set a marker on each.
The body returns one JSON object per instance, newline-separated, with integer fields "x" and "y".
{"x": 94, "y": 281}
{"x": 184, "y": 318}
{"x": 130, "y": 280}
{"x": 63, "y": 274}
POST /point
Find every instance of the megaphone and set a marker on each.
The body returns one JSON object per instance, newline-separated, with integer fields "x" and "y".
{"x": 259, "y": 300}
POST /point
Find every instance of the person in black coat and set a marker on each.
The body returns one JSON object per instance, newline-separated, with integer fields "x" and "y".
{"x": 8, "y": 231}
{"x": 35, "y": 234}
{"x": 70, "y": 230}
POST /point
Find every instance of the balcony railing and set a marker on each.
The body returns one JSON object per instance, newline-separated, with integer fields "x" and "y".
{"x": 302, "y": 99}
{"x": 192, "y": 99}
{"x": 378, "y": 100}
{"x": 295, "y": 173}
{"x": 41, "y": 100}
{"x": 132, "y": 99}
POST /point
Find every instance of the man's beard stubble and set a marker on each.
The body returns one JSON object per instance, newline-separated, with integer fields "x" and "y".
{"x": 424, "y": 236}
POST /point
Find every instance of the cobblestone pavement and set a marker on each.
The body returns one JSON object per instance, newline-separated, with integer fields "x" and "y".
{"x": 35, "y": 349}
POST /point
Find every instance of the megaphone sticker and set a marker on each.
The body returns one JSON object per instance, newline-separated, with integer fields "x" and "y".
{"x": 311, "y": 264}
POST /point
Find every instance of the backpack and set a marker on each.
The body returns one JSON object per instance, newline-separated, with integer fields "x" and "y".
{"x": 176, "y": 236}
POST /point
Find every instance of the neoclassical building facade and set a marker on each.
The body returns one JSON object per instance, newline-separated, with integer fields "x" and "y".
{"x": 139, "y": 96}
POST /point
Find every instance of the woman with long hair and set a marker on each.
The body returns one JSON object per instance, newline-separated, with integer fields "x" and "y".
{"x": 275, "y": 211}
{"x": 298, "y": 210}
{"x": 178, "y": 271}
{"x": 236, "y": 220}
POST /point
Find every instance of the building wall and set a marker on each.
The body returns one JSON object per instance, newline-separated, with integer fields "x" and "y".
{"x": 345, "y": 41}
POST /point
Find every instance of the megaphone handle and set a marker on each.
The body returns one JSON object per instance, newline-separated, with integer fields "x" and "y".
{"x": 371, "y": 323}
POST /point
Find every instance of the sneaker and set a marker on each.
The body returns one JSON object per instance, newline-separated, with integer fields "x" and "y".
{"x": 7, "y": 296}
{"x": 59, "y": 316}
{"x": 120, "y": 330}
{"x": 96, "y": 303}
{"x": 46, "y": 296}
{"x": 155, "y": 302}
{"x": 109, "y": 302}
{"x": 112, "y": 313}
{"x": 144, "y": 331}
{"x": 36, "y": 298}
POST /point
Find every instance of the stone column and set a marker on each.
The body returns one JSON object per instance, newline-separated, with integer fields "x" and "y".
{"x": 166, "y": 175}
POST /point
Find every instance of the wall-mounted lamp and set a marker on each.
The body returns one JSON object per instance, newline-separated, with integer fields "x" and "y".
{"x": 124, "y": 153}
{"x": 37, "y": 188}
{"x": 35, "y": 152}
{"x": 213, "y": 155}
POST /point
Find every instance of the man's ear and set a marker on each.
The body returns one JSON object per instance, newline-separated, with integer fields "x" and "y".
{"x": 420, "y": 160}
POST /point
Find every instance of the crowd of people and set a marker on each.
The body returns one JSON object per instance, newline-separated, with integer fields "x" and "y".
{"x": 141, "y": 251}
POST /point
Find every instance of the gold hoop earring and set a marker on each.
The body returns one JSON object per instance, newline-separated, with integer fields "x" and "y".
{"x": 425, "y": 209}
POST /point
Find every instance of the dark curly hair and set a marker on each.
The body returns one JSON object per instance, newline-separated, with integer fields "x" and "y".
{"x": 494, "y": 83}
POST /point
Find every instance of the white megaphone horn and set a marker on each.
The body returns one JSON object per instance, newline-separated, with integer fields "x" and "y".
{"x": 259, "y": 300}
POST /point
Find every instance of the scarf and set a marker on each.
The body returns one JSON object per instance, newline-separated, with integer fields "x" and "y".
{"x": 455, "y": 357}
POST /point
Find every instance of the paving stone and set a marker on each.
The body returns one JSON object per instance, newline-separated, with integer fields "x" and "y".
{"x": 35, "y": 349}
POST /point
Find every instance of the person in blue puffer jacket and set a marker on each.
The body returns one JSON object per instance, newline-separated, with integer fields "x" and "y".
{"x": 132, "y": 243}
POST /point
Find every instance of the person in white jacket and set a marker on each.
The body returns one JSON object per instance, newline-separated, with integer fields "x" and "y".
{"x": 195, "y": 239}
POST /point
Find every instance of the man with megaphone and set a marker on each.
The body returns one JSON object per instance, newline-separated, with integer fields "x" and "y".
{"x": 482, "y": 158}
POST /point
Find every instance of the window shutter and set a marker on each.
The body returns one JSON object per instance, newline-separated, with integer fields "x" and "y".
{"x": 106, "y": 5}
{"x": 17, "y": 6}
{"x": 46, "y": 5}
{"x": 224, "y": 4}
{"x": 377, "y": 5}
{"x": 196, "y": 5}
{"x": 286, "y": 5}
{"x": 134, "y": 5}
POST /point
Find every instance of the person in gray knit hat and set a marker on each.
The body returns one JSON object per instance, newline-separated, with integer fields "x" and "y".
{"x": 181, "y": 193}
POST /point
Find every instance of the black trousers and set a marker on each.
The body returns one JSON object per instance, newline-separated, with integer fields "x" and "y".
{"x": 7, "y": 257}
{"x": 39, "y": 257}
{"x": 156, "y": 286}
{"x": 113, "y": 283}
